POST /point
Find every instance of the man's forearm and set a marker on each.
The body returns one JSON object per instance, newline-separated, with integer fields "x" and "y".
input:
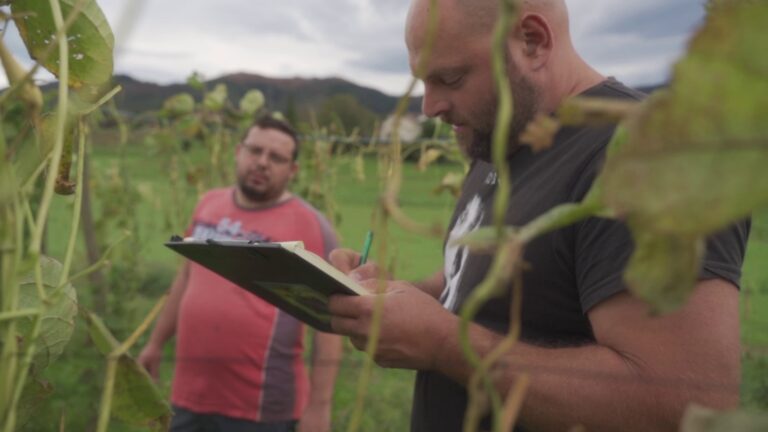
{"x": 433, "y": 285}
{"x": 166, "y": 322}
{"x": 567, "y": 386}
{"x": 592, "y": 385}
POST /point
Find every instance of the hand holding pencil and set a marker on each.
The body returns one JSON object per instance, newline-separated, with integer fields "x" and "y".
{"x": 356, "y": 264}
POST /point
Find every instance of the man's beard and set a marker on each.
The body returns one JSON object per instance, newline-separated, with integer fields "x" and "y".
{"x": 252, "y": 194}
{"x": 526, "y": 105}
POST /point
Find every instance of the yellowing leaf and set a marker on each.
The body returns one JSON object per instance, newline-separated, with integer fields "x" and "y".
{"x": 696, "y": 154}
{"x": 452, "y": 183}
{"x": 428, "y": 157}
{"x": 540, "y": 133}
{"x": 663, "y": 269}
{"x": 691, "y": 159}
{"x": 359, "y": 167}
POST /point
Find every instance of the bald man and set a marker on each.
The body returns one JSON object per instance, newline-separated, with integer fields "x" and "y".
{"x": 595, "y": 356}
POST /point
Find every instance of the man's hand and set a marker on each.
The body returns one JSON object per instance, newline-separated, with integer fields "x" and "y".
{"x": 316, "y": 418}
{"x": 150, "y": 359}
{"x": 348, "y": 260}
{"x": 413, "y": 324}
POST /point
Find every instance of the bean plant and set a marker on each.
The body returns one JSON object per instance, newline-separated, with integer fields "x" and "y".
{"x": 683, "y": 164}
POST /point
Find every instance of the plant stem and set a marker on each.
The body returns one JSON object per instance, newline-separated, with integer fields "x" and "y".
{"x": 506, "y": 259}
{"x": 106, "y": 396}
{"x": 42, "y": 215}
{"x": 78, "y": 205}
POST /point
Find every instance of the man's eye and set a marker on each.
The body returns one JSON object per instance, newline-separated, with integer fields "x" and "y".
{"x": 452, "y": 80}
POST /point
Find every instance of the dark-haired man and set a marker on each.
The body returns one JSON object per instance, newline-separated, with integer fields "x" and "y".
{"x": 239, "y": 363}
{"x": 595, "y": 356}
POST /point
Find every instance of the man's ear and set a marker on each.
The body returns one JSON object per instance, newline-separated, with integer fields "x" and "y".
{"x": 535, "y": 34}
{"x": 294, "y": 169}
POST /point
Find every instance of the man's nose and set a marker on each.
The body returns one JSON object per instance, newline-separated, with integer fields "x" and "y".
{"x": 262, "y": 159}
{"x": 434, "y": 104}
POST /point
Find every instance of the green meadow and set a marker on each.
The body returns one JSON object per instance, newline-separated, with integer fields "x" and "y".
{"x": 142, "y": 181}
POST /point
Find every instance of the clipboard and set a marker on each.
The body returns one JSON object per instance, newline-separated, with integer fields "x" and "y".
{"x": 286, "y": 275}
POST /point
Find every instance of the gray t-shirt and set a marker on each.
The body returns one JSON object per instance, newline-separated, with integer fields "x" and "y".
{"x": 570, "y": 270}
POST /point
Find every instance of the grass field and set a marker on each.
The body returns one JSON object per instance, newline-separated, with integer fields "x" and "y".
{"x": 389, "y": 396}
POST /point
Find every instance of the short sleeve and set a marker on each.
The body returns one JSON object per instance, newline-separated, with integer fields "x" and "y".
{"x": 602, "y": 248}
{"x": 725, "y": 253}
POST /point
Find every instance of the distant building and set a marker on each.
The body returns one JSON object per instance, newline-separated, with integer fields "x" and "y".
{"x": 409, "y": 130}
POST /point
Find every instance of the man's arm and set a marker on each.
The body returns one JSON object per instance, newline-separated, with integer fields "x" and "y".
{"x": 433, "y": 285}
{"x": 166, "y": 323}
{"x": 639, "y": 375}
{"x": 326, "y": 354}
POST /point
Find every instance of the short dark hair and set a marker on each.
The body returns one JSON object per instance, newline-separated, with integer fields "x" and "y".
{"x": 268, "y": 121}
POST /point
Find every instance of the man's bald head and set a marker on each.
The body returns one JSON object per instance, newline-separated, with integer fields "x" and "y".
{"x": 542, "y": 65}
{"x": 481, "y": 15}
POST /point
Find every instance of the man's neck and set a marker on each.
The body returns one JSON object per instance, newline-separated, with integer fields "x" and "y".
{"x": 574, "y": 78}
{"x": 244, "y": 202}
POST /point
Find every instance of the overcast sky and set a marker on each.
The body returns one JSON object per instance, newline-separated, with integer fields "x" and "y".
{"x": 163, "y": 41}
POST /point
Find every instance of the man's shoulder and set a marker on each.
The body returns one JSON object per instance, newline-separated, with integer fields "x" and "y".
{"x": 217, "y": 196}
{"x": 613, "y": 89}
{"x": 310, "y": 211}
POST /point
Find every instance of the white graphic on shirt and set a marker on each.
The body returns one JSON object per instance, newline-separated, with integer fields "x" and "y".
{"x": 456, "y": 256}
{"x": 226, "y": 229}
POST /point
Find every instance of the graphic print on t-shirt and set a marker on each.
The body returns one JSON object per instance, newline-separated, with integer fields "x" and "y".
{"x": 456, "y": 256}
{"x": 226, "y": 229}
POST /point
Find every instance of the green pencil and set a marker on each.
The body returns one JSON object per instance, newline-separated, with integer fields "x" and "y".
{"x": 366, "y": 247}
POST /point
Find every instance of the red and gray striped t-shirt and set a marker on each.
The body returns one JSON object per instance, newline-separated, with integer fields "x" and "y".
{"x": 237, "y": 355}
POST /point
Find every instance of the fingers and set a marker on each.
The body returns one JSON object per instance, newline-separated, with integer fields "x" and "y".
{"x": 366, "y": 271}
{"x": 348, "y": 262}
{"x": 345, "y": 260}
{"x": 346, "y": 326}
{"x": 349, "y": 306}
{"x": 151, "y": 365}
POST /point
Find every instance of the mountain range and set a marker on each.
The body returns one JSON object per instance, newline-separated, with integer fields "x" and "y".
{"x": 280, "y": 93}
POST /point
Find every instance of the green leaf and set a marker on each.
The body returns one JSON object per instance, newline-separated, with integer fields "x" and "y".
{"x": 136, "y": 400}
{"x": 36, "y": 392}
{"x": 196, "y": 81}
{"x": 179, "y": 105}
{"x": 663, "y": 268}
{"x": 700, "y": 419}
{"x": 90, "y": 38}
{"x": 251, "y": 102}
{"x": 100, "y": 335}
{"x": 215, "y": 100}
{"x": 695, "y": 156}
{"x": 58, "y": 313}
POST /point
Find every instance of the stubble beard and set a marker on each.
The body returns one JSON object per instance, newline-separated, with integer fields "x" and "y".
{"x": 526, "y": 104}
{"x": 252, "y": 194}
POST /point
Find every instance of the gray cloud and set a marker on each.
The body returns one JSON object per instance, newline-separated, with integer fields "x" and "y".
{"x": 666, "y": 19}
{"x": 361, "y": 40}
{"x": 392, "y": 60}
